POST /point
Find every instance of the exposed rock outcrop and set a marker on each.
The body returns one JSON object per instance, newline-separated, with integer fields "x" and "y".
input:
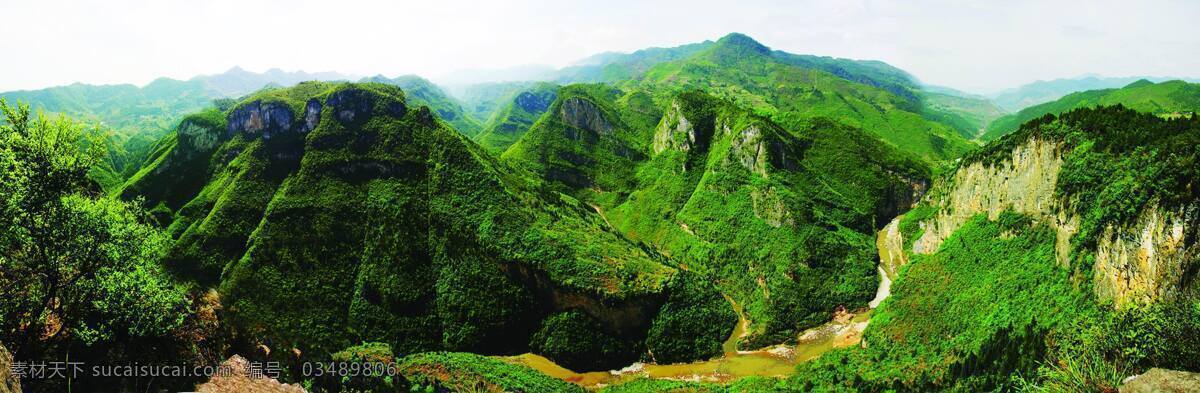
{"x": 1024, "y": 183}
{"x": 196, "y": 138}
{"x": 675, "y": 131}
{"x": 1161, "y": 380}
{"x": 1141, "y": 262}
{"x": 8, "y": 383}
{"x": 260, "y": 119}
{"x": 350, "y": 104}
{"x": 1144, "y": 261}
{"x": 235, "y": 375}
{"x": 583, "y": 114}
{"x": 534, "y": 103}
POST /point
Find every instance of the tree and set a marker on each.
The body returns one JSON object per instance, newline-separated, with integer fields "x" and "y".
{"x": 71, "y": 259}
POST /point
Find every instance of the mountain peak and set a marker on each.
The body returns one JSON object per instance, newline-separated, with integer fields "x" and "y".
{"x": 1139, "y": 83}
{"x": 743, "y": 43}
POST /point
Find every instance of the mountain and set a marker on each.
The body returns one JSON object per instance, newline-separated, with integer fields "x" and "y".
{"x": 780, "y": 86}
{"x": 1091, "y": 214}
{"x": 612, "y": 66}
{"x": 333, "y": 214}
{"x": 523, "y": 109}
{"x": 423, "y": 92}
{"x": 529, "y": 72}
{"x": 730, "y": 194}
{"x": 482, "y": 100}
{"x": 1039, "y": 92}
{"x": 134, "y": 118}
{"x": 1170, "y": 98}
{"x": 968, "y": 114}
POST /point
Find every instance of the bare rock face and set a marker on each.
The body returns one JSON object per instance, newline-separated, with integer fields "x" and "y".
{"x": 196, "y": 138}
{"x": 312, "y": 116}
{"x": 583, "y": 114}
{"x": 534, "y": 103}
{"x": 350, "y": 105}
{"x": 259, "y": 119}
{"x": 1159, "y": 380}
{"x": 8, "y": 383}
{"x": 236, "y": 376}
{"x": 1137, "y": 263}
{"x": 1025, "y": 183}
{"x": 1144, "y": 261}
{"x": 674, "y": 132}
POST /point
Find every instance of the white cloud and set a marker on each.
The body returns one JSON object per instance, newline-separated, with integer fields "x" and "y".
{"x": 973, "y": 45}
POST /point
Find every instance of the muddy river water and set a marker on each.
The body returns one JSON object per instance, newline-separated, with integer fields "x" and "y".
{"x": 844, "y": 330}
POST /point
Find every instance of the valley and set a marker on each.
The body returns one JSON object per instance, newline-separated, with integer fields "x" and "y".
{"x": 716, "y": 216}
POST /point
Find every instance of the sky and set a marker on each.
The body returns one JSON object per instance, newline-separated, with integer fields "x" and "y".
{"x": 976, "y": 46}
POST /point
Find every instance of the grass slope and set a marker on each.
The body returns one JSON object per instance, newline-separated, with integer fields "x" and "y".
{"x": 1170, "y": 98}
{"x": 741, "y": 70}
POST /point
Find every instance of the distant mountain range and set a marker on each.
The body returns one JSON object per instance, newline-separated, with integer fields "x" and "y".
{"x": 1039, "y": 92}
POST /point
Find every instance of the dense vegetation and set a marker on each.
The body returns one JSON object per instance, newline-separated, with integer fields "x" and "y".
{"x": 80, "y": 271}
{"x": 1173, "y": 98}
{"x": 596, "y": 224}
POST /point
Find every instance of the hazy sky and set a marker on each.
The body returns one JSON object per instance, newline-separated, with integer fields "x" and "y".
{"x": 972, "y": 45}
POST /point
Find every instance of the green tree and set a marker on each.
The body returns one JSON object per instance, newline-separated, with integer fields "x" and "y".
{"x": 71, "y": 259}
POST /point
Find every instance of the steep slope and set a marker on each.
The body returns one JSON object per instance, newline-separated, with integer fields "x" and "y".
{"x": 424, "y": 92}
{"x": 744, "y": 71}
{"x": 133, "y": 118}
{"x": 333, "y": 214}
{"x": 484, "y": 99}
{"x": 1050, "y": 254}
{"x": 783, "y": 220}
{"x": 611, "y": 66}
{"x": 523, "y": 108}
{"x": 589, "y": 138}
{"x": 1172, "y": 98}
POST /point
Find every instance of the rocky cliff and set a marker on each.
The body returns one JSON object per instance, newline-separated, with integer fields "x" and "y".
{"x": 8, "y": 383}
{"x": 1137, "y": 262}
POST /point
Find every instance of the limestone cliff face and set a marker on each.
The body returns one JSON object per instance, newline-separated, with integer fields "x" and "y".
{"x": 1025, "y": 183}
{"x": 1139, "y": 263}
{"x": 1147, "y": 260}
{"x": 674, "y": 132}
{"x": 585, "y": 115}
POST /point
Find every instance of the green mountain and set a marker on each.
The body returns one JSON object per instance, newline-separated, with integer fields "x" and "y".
{"x": 424, "y": 92}
{"x": 741, "y": 70}
{"x": 726, "y": 192}
{"x": 1172, "y": 98}
{"x": 515, "y": 118}
{"x": 1045, "y": 91}
{"x": 134, "y": 118}
{"x": 969, "y": 115}
{"x": 413, "y": 236}
{"x": 484, "y": 99}
{"x": 1019, "y": 263}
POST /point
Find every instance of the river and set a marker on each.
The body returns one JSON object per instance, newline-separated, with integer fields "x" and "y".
{"x": 777, "y": 361}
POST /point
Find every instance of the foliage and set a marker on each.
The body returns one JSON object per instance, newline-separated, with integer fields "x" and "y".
{"x": 962, "y": 318}
{"x": 692, "y": 324}
{"x": 793, "y": 92}
{"x": 419, "y": 91}
{"x": 1116, "y": 162}
{"x": 516, "y": 115}
{"x": 579, "y": 342}
{"x": 1171, "y": 98}
{"x": 464, "y": 372}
